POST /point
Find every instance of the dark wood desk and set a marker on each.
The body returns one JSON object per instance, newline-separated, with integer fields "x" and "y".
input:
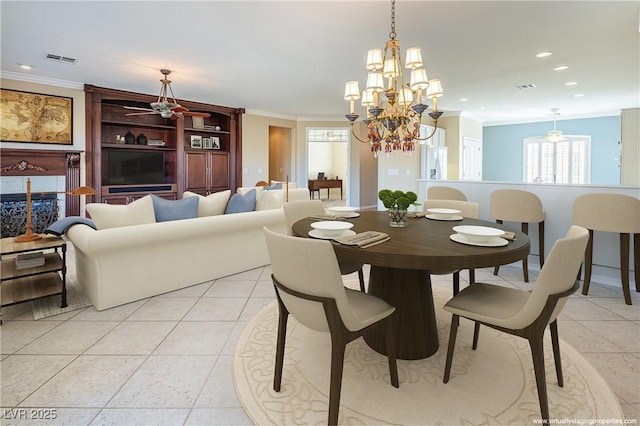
{"x": 318, "y": 184}
{"x": 401, "y": 271}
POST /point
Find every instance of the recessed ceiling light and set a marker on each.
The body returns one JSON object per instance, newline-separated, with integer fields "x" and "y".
{"x": 571, "y": 83}
{"x": 25, "y": 66}
{"x": 463, "y": 99}
{"x": 578, "y": 95}
{"x": 543, "y": 54}
{"x": 561, "y": 68}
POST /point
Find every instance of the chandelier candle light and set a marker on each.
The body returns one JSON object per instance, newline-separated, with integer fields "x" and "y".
{"x": 396, "y": 122}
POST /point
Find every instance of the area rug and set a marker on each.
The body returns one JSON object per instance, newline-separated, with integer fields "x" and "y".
{"x": 49, "y": 306}
{"x": 493, "y": 385}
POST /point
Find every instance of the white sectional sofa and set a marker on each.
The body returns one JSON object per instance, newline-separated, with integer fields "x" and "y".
{"x": 122, "y": 264}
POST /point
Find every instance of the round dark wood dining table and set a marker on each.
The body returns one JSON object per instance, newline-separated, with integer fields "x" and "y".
{"x": 401, "y": 271}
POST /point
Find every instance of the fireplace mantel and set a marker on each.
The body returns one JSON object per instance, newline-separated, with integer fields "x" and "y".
{"x": 39, "y": 162}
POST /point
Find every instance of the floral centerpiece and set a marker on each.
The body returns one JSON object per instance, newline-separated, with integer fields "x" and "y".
{"x": 397, "y": 203}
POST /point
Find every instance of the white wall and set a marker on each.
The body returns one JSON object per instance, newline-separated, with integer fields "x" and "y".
{"x": 630, "y": 149}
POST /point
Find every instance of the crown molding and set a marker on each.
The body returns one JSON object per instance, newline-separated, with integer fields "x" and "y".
{"x": 28, "y": 78}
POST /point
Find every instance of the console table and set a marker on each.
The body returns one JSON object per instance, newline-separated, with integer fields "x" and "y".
{"x": 20, "y": 285}
{"x": 318, "y": 184}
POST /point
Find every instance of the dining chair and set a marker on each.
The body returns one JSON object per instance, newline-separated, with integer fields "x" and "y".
{"x": 300, "y": 209}
{"x": 308, "y": 286}
{"x": 515, "y": 205}
{"x": 522, "y": 313}
{"x": 445, "y": 193}
{"x": 467, "y": 209}
{"x": 610, "y": 213}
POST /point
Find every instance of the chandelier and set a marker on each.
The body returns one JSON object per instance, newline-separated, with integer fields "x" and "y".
{"x": 554, "y": 135}
{"x": 396, "y": 122}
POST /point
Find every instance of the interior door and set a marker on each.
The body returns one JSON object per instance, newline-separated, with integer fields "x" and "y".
{"x": 471, "y": 159}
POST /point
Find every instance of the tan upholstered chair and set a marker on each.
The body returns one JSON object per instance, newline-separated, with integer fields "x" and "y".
{"x": 610, "y": 213}
{"x": 514, "y": 205}
{"x": 296, "y": 210}
{"x": 445, "y": 193}
{"x": 522, "y": 313}
{"x": 467, "y": 209}
{"x": 308, "y": 286}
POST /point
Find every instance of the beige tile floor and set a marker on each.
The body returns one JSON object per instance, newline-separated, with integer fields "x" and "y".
{"x": 167, "y": 359}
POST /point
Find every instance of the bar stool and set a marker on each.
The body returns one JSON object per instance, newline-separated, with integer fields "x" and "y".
{"x": 515, "y": 205}
{"x": 445, "y": 193}
{"x": 610, "y": 213}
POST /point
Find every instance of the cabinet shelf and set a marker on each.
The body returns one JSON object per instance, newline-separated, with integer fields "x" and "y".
{"x": 137, "y": 147}
{"x": 130, "y": 124}
{"x": 194, "y": 130}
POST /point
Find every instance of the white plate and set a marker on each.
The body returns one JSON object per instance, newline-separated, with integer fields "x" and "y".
{"x": 496, "y": 242}
{"x": 314, "y": 233}
{"x": 438, "y": 217}
{"x": 352, "y": 215}
{"x": 478, "y": 234}
{"x": 332, "y": 228}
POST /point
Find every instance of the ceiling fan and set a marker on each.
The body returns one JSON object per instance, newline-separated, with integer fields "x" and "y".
{"x": 163, "y": 106}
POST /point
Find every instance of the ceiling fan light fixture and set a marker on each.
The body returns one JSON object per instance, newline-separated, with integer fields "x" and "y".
{"x": 554, "y": 135}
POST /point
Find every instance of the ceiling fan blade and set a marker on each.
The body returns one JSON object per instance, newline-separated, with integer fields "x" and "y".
{"x": 196, "y": 114}
{"x": 137, "y": 108}
{"x": 142, "y": 113}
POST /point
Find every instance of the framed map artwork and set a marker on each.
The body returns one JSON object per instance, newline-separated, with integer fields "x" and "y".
{"x": 35, "y": 118}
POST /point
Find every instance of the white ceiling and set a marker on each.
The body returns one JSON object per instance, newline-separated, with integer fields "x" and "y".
{"x": 291, "y": 58}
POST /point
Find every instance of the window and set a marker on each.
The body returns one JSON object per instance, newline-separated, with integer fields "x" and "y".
{"x": 560, "y": 162}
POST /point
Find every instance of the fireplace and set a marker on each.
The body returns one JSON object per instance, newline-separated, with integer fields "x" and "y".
{"x": 53, "y": 172}
{"x": 13, "y": 209}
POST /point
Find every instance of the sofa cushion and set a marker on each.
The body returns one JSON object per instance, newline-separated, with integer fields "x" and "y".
{"x": 166, "y": 210}
{"x": 273, "y": 187}
{"x": 138, "y": 212}
{"x": 270, "y": 200}
{"x": 240, "y": 203}
{"x": 211, "y": 205}
{"x": 291, "y": 184}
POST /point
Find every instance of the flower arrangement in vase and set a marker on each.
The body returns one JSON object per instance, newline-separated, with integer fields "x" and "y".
{"x": 397, "y": 203}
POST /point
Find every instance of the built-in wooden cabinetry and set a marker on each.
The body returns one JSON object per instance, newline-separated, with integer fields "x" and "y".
{"x": 158, "y": 156}
{"x": 206, "y": 172}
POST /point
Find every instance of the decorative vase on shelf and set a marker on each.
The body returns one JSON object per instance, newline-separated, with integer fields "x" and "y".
{"x": 397, "y": 217}
{"x": 129, "y": 138}
{"x": 141, "y": 139}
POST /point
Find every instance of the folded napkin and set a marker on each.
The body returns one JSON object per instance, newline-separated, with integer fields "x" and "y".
{"x": 364, "y": 239}
{"x": 508, "y": 235}
{"x": 416, "y": 215}
{"x": 323, "y": 216}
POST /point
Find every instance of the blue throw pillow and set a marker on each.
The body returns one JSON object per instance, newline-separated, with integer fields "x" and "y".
{"x": 273, "y": 187}
{"x": 60, "y": 226}
{"x": 239, "y": 203}
{"x": 166, "y": 210}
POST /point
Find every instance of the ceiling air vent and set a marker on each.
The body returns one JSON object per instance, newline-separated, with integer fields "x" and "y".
{"x": 525, "y": 86}
{"x": 63, "y": 59}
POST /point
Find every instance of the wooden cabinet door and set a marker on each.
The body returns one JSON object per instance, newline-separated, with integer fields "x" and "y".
{"x": 219, "y": 171}
{"x": 196, "y": 171}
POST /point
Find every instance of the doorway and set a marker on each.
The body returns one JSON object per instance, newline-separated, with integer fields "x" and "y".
{"x": 328, "y": 153}
{"x": 280, "y": 154}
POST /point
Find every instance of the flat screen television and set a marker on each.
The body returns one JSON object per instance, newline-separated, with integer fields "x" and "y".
{"x": 127, "y": 167}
